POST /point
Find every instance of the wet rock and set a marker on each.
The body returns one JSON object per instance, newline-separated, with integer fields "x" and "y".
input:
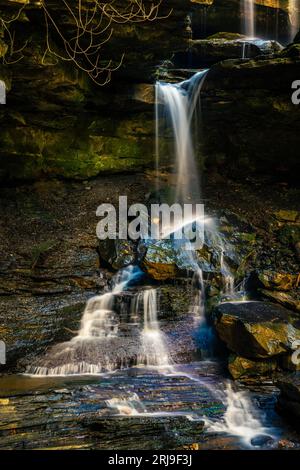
{"x": 255, "y": 329}
{"x": 164, "y": 259}
{"x": 241, "y": 367}
{"x": 168, "y": 259}
{"x": 262, "y": 440}
{"x": 144, "y": 93}
{"x": 45, "y": 320}
{"x": 117, "y": 253}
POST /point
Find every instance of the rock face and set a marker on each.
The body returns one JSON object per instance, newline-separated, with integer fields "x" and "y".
{"x": 260, "y": 334}
{"x": 56, "y": 121}
{"x": 223, "y": 46}
{"x": 214, "y": 14}
{"x": 289, "y": 399}
{"x": 249, "y": 116}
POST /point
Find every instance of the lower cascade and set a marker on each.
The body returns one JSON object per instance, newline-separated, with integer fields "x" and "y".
{"x": 240, "y": 418}
{"x": 100, "y": 347}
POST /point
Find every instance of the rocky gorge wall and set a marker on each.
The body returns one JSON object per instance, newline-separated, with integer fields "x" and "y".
{"x": 58, "y": 123}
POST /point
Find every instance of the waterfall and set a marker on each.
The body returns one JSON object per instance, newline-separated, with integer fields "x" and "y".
{"x": 129, "y": 405}
{"x": 94, "y": 349}
{"x": 239, "y": 418}
{"x": 175, "y": 108}
{"x": 99, "y": 319}
{"x": 294, "y": 15}
{"x": 228, "y": 277}
{"x": 248, "y": 7}
{"x": 154, "y": 351}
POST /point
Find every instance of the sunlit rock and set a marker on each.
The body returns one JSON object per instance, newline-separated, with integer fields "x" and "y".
{"x": 255, "y": 329}
{"x": 241, "y": 367}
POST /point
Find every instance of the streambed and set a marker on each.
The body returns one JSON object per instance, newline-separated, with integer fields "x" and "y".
{"x": 136, "y": 408}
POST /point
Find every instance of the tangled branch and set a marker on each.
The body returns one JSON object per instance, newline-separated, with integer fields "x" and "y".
{"x": 86, "y": 28}
{"x": 92, "y": 28}
{"x": 15, "y": 54}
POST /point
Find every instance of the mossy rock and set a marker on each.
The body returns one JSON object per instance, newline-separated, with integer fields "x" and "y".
{"x": 227, "y": 36}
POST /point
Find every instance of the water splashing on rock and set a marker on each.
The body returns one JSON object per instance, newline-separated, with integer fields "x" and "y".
{"x": 240, "y": 418}
{"x": 154, "y": 351}
{"x": 98, "y": 347}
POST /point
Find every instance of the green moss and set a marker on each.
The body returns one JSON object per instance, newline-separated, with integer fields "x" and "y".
{"x": 227, "y": 36}
{"x": 31, "y": 153}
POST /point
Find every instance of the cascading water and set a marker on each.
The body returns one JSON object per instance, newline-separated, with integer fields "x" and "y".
{"x": 248, "y": 10}
{"x": 93, "y": 349}
{"x": 175, "y": 108}
{"x": 129, "y": 405}
{"x": 239, "y": 418}
{"x": 294, "y": 15}
{"x": 154, "y": 351}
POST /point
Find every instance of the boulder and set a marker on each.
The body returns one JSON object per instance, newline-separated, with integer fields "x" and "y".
{"x": 255, "y": 330}
{"x": 241, "y": 367}
{"x": 117, "y": 253}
